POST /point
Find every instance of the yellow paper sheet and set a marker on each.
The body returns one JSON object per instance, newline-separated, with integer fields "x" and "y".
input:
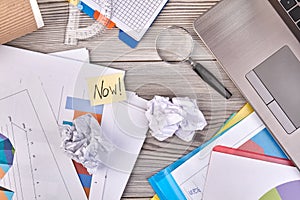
{"x": 155, "y": 197}
{"x": 243, "y": 113}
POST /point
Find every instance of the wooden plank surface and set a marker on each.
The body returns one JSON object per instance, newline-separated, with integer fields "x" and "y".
{"x": 148, "y": 76}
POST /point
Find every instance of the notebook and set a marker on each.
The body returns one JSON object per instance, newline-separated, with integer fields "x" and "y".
{"x": 135, "y": 17}
{"x": 132, "y": 17}
{"x": 18, "y": 18}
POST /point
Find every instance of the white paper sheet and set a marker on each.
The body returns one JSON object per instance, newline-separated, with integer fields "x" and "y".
{"x": 125, "y": 125}
{"x": 81, "y": 54}
{"x": 238, "y": 177}
{"x": 40, "y": 169}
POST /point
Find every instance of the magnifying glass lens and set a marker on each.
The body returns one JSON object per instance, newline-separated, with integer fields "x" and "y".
{"x": 174, "y": 44}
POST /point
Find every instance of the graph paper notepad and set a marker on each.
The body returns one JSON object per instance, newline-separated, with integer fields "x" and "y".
{"x": 134, "y": 17}
{"x": 18, "y": 18}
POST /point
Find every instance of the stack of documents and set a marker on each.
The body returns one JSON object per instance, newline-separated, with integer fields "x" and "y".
{"x": 186, "y": 178}
{"x": 35, "y": 100}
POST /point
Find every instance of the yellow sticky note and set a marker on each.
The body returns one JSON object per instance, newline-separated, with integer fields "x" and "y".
{"x": 106, "y": 89}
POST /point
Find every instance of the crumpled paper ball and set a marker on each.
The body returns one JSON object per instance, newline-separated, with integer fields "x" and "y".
{"x": 84, "y": 140}
{"x": 181, "y": 117}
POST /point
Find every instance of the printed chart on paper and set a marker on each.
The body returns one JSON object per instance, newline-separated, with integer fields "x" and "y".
{"x": 35, "y": 173}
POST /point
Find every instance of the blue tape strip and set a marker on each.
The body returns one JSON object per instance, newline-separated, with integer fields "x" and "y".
{"x": 86, "y": 9}
{"x": 127, "y": 39}
{"x": 85, "y": 180}
{"x": 83, "y": 105}
{"x": 67, "y": 123}
{"x": 167, "y": 188}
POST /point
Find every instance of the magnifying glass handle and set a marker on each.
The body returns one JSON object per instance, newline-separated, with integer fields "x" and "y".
{"x": 210, "y": 79}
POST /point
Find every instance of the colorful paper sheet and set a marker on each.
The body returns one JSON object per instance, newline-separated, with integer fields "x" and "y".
{"x": 7, "y": 152}
{"x": 6, "y": 194}
{"x": 286, "y": 191}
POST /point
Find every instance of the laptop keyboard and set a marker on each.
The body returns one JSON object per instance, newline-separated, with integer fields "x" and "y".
{"x": 289, "y": 11}
{"x": 292, "y": 7}
{"x": 288, "y": 4}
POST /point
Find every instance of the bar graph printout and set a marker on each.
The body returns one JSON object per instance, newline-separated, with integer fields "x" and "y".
{"x": 40, "y": 169}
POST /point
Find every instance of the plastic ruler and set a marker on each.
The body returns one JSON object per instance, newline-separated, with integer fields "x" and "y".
{"x": 74, "y": 33}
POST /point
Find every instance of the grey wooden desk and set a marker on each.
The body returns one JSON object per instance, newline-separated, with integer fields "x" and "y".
{"x": 148, "y": 76}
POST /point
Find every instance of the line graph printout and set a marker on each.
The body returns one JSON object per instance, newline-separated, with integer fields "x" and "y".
{"x": 59, "y": 77}
{"x": 40, "y": 170}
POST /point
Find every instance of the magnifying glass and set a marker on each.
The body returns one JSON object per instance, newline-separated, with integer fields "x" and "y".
{"x": 175, "y": 44}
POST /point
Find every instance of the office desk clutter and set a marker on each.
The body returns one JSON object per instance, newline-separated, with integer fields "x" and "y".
{"x": 181, "y": 117}
{"x": 74, "y": 130}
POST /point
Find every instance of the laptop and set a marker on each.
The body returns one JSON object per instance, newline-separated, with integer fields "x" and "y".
{"x": 257, "y": 44}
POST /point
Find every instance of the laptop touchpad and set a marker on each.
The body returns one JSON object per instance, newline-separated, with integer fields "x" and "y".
{"x": 277, "y": 81}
